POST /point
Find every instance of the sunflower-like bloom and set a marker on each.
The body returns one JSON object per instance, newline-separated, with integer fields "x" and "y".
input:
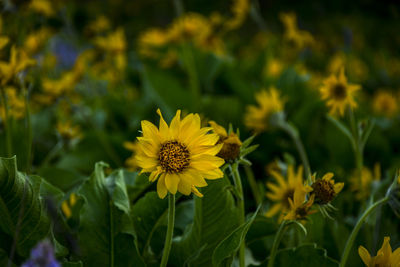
{"x": 16, "y": 104}
{"x": 269, "y": 102}
{"x": 300, "y": 208}
{"x": 325, "y": 189}
{"x": 19, "y": 61}
{"x": 293, "y": 35}
{"x": 43, "y": 7}
{"x": 240, "y": 9}
{"x": 384, "y": 258}
{"x": 385, "y": 103}
{"x": 338, "y": 93}
{"x": 180, "y": 156}
{"x": 284, "y": 190}
{"x": 69, "y": 131}
{"x": 231, "y": 143}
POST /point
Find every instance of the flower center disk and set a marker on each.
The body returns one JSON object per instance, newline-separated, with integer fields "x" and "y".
{"x": 324, "y": 192}
{"x": 339, "y": 92}
{"x": 174, "y": 157}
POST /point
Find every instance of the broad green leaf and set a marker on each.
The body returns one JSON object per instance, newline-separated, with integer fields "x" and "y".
{"x": 147, "y": 214}
{"x": 228, "y": 247}
{"x": 260, "y": 228}
{"x": 20, "y": 204}
{"x": 106, "y": 234}
{"x": 308, "y": 255}
{"x": 215, "y": 217}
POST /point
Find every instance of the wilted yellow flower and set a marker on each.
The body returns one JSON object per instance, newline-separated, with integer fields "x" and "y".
{"x": 180, "y": 156}
{"x": 114, "y": 42}
{"x": 34, "y": 41}
{"x": 68, "y": 131}
{"x": 284, "y": 190}
{"x": 384, "y": 257}
{"x": 338, "y": 93}
{"x": 19, "y": 61}
{"x": 15, "y": 104}
{"x": 269, "y": 102}
{"x": 300, "y": 207}
{"x": 385, "y": 103}
{"x": 43, "y": 7}
{"x": 294, "y": 36}
{"x": 273, "y": 68}
{"x": 361, "y": 183}
{"x": 325, "y": 189}
{"x": 240, "y": 9}
{"x": 231, "y": 143}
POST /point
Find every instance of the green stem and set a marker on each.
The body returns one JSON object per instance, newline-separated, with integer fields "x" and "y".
{"x": 353, "y": 234}
{"x": 358, "y": 149}
{"x": 170, "y": 230}
{"x": 240, "y": 201}
{"x": 190, "y": 65}
{"x": 294, "y": 134}
{"x": 253, "y": 184}
{"x": 277, "y": 241}
{"x": 178, "y": 7}
{"x": 7, "y": 124}
{"x": 28, "y": 129}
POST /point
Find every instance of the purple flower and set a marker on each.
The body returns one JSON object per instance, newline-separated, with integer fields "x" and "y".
{"x": 42, "y": 256}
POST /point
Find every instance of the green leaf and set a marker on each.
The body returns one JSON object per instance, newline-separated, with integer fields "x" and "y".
{"x": 228, "y": 247}
{"x": 215, "y": 217}
{"x": 147, "y": 215}
{"x": 106, "y": 234}
{"x": 20, "y": 204}
{"x": 308, "y": 255}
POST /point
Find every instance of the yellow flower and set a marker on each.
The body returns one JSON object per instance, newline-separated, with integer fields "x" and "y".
{"x": 15, "y": 103}
{"x": 273, "y": 68}
{"x": 384, "y": 257}
{"x": 240, "y": 9}
{"x": 325, "y": 189}
{"x": 35, "y": 40}
{"x": 257, "y": 117}
{"x": 68, "y": 204}
{"x": 338, "y": 93}
{"x": 300, "y": 208}
{"x": 284, "y": 190}
{"x": 152, "y": 39}
{"x": 42, "y": 6}
{"x": 19, "y": 61}
{"x": 131, "y": 162}
{"x": 231, "y": 143}
{"x": 361, "y": 184}
{"x": 99, "y": 25}
{"x": 68, "y": 131}
{"x": 190, "y": 27}
{"x": 114, "y": 42}
{"x": 385, "y": 103}
{"x": 294, "y": 36}
{"x": 180, "y": 156}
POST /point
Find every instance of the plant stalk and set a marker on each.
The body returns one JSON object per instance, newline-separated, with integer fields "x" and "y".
{"x": 277, "y": 241}
{"x": 170, "y": 230}
{"x": 253, "y": 184}
{"x": 240, "y": 201}
{"x": 353, "y": 234}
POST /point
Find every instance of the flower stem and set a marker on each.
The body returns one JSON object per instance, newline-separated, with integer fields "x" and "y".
{"x": 6, "y": 121}
{"x": 238, "y": 184}
{"x": 170, "y": 230}
{"x": 253, "y": 184}
{"x": 358, "y": 149}
{"x": 353, "y": 234}
{"x": 277, "y": 241}
{"x": 294, "y": 134}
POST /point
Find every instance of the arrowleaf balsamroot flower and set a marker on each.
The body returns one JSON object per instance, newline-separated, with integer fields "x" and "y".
{"x": 180, "y": 156}
{"x": 385, "y": 103}
{"x": 300, "y": 208}
{"x": 338, "y": 93}
{"x": 231, "y": 142}
{"x": 384, "y": 258}
{"x": 325, "y": 189}
{"x": 257, "y": 117}
{"x": 282, "y": 192}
